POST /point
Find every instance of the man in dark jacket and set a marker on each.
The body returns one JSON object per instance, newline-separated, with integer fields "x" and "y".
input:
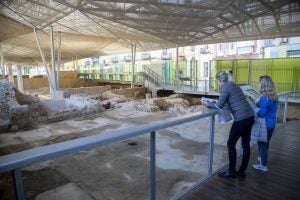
{"x": 232, "y": 95}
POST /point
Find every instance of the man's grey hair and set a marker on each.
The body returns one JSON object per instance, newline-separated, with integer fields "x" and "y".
{"x": 222, "y": 76}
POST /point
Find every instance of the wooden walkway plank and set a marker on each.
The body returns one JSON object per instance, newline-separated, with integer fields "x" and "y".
{"x": 281, "y": 182}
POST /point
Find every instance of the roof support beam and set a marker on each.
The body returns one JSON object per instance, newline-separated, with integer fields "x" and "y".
{"x": 274, "y": 14}
{"x": 140, "y": 12}
{"x": 161, "y": 4}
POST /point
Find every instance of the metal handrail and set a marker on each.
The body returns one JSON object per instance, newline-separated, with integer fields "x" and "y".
{"x": 15, "y": 161}
{"x": 286, "y": 95}
{"x": 152, "y": 74}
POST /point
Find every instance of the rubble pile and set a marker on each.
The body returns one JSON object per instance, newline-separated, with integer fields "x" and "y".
{"x": 166, "y": 103}
{"x": 146, "y": 107}
{"x": 178, "y": 110}
{"x": 108, "y": 95}
{"x": 82, "y": 104}
{"x": 36, "y": 109}
{"x": 19, "y": 117}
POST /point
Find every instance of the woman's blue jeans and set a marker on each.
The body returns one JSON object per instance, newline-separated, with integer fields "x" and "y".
{"x": 263, "y": 148}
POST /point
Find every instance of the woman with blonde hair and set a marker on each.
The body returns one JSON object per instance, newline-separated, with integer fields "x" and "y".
{"x": 268, "y": 105}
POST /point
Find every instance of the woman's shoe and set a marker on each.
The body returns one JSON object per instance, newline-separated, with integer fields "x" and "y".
{"x": 227, "y": 174}
{"x": 260, "y": 167}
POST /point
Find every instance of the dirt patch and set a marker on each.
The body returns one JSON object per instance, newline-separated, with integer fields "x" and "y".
{"x": 34, "y": 182}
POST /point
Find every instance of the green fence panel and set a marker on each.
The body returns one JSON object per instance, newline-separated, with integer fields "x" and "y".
{"x": 285, "y": 72}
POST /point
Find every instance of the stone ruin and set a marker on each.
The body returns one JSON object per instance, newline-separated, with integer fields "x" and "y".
{"x": 19, "y": 110}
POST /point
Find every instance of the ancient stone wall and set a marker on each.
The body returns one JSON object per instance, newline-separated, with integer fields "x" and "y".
{"x": 96, "y": 90}
{"x": 68, "y": 79}
{"x": 7, "y": 96}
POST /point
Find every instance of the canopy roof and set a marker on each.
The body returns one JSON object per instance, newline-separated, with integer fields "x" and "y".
{"x": 98, "y": 27}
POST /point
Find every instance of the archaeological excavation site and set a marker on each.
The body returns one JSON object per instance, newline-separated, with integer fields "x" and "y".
{"x": 32, "y": 119}
{"x": 149, "y": 99}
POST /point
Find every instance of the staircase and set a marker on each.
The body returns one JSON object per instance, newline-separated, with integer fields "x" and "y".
{"x": 151, "y": 78}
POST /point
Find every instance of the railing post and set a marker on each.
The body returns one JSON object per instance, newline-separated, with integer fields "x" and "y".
{"x": 211, "y": 144}
{"x": 285, "y": 109}
{"x": 152, "y": 166}
{"x": 18, "y": 185}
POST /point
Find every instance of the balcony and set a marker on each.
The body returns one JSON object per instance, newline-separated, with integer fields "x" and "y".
{"x": 145, "y": 56}
{"x": 245, "y": 50}
{"x": 166, "y": 56}
{"x": 204, "y": 51}
{"x": 114, "y": 59}
{"x": 127, "y": 58}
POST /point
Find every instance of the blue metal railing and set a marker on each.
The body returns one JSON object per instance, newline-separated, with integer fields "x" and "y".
{"x": 15, "y": 161}
{"x": 286, "y": 97}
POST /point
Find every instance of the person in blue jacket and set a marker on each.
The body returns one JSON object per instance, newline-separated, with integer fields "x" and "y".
{"x": 268, "y": 104}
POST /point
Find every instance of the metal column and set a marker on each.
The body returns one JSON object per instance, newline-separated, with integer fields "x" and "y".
{"x": 152, "y": 166}
{"x": 58, "y": 61}
{"x": 10, "y": 73}
{"x": 2, "y": 61}
{"x": 18, "y": 185}
{"x": 285, "y": 108}
{"x": 51, "y": 85}
{"x": 248, "y": 72}
{"x": 133, "y": 52}
{"x": 211, "y": 144}
{"x": 177, "y": 70}
{"x": 53, "y": 61}
{"x": 20, "y": 78}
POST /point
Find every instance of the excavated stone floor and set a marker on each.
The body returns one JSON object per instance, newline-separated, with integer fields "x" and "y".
{"x": 119, "y": 171}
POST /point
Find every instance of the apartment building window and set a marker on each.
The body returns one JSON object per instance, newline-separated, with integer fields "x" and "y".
{"x": 221, "y": 48}
{"x": 205, "y": 68}
{"x": 232, "y": 48}
{"x": 192, "y": 48}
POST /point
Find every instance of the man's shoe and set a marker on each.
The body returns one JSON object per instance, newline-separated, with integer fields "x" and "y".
{"x": 241, "y": 174}
{"x": 260, "y": 167}
{"x": 227, "y": 174}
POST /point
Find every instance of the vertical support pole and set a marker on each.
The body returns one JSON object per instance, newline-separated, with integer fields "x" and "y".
{"x": 248, "y": 72}
{"x": 51, "y": 85}
{"x": 211, "y": 144}
{"x": 177, "y": 69}
{"x": 20, "y": 78}
{"x": 133, "y": 52}
{"x": 152, "y": 166}
{"x": 53, "y": 58}
{"x": 18, "y": 185}
{"x": 10, "y": 73}
{"x": 2, "y": 62}
{"x": 73, "y": 61}
{"x": 58, "y": 61}
{"x": 77, "y": 66}
{"x": 285, "y": 108}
